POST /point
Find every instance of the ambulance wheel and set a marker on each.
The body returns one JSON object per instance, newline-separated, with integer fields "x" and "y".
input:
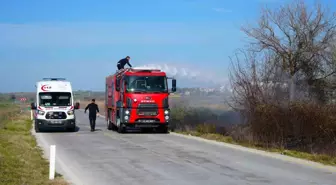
{"x": 72, "y": 129}
{"x": 37, "y": 129}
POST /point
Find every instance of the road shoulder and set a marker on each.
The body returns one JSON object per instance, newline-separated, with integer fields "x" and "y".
{"x": 278, "y": 156}
{"x": 61, "y": 167}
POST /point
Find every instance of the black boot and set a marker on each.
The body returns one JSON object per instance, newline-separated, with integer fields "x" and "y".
{"x": 91, "y": 125}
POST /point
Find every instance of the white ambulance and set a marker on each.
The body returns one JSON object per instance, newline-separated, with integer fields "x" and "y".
{"x": 54, "y": 106}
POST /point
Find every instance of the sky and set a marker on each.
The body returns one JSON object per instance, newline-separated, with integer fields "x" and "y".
{"x": 82, "y": 40}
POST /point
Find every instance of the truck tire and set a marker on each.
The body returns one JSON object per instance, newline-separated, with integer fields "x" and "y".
{"x": 109, "y": 125}
{"x": 164, "y": 130}
{"x": 121, "y": 129}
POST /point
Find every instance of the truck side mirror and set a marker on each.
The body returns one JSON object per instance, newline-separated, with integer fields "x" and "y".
{"x": 173, "y": 85}
{"x": 32, "y": 106}
{"x": 77, "y": 105}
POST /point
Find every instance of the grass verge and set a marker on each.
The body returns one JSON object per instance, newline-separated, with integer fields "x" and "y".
{"x": 21, "y": 160}
{"x": 324, "y": 159}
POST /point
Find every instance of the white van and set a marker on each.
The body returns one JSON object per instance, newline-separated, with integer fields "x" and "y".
{"x": 54, "y": 105}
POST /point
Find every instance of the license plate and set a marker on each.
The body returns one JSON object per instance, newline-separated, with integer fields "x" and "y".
{"x": 55, "y": 122}
{"x": 146, "y": 121}
{"x": 147, "y": 113}
{"x": 145, "y": 125}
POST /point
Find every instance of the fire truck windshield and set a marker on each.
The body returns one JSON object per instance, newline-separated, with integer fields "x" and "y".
{"x": 146, "y": 84}
{"x": 55, "y": 99}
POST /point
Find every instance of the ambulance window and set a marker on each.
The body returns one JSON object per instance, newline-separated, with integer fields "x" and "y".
{"x": 55, "y": 99}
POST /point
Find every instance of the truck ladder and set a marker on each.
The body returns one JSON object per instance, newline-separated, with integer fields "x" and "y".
{"x": 119, "y": 72}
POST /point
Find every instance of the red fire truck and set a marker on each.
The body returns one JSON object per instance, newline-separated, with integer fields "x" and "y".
{"x": 137, "y": 98}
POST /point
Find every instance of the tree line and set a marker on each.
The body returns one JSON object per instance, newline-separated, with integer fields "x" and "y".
{"x": 284, "y": 81}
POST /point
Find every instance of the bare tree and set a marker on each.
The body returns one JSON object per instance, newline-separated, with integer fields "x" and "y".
{"x": 293, "y": 44}
{"x": 301, "y": 38}
{"x": 253, "y": 80}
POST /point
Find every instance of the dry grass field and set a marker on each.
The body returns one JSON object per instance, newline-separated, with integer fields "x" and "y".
{"x": 21, "y": 160}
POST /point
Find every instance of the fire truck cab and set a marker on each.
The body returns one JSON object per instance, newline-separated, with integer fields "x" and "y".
{"x": 138, "y": 98}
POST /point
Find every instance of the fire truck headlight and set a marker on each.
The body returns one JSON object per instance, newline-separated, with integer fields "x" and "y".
{"x": 40, "y": 112}
{"x": 127, "y": 112}
{"x": 167, "y": 117}
{"x": 166, "y": 112}
{"x": 126, "y": 117}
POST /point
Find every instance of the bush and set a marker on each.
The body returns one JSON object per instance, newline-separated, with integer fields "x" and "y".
{"x": 202, "y": 120}
{"x": 7, "y": 112}
{"x": 206, "y": 128}
{"x": 306, "y": 127}
{"x": 301, "y": 126}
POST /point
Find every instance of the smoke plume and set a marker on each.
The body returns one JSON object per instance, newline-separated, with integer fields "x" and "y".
{"x": 190, "y": 74}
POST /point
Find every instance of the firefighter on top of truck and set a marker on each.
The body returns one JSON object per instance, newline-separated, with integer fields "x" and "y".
{"x": 123, "y": 62}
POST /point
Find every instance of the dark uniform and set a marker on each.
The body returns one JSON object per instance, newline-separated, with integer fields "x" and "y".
{"x": 93, "y": 110}
{"x": 123, "y": 62}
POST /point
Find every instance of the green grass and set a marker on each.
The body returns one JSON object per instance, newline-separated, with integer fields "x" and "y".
{"x": 21, "y": 160}
{"x": 324, "y": 159}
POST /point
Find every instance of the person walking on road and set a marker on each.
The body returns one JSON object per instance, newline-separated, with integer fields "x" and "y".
{"x": 123, "y": 62}
{"x": 93, "y": 110}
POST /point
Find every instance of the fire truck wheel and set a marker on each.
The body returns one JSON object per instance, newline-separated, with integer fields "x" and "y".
{"x": 114, "y": 127}
{"x": 121, "y": 129}
{"x": 109, "y": 125}
{"x": 164, "y": 130}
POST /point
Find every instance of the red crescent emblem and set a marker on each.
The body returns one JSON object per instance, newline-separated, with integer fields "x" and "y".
{"x": 45, "y": 87}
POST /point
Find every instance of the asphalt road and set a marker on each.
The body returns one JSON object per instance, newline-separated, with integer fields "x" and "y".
{"x": 106, "y": 157}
